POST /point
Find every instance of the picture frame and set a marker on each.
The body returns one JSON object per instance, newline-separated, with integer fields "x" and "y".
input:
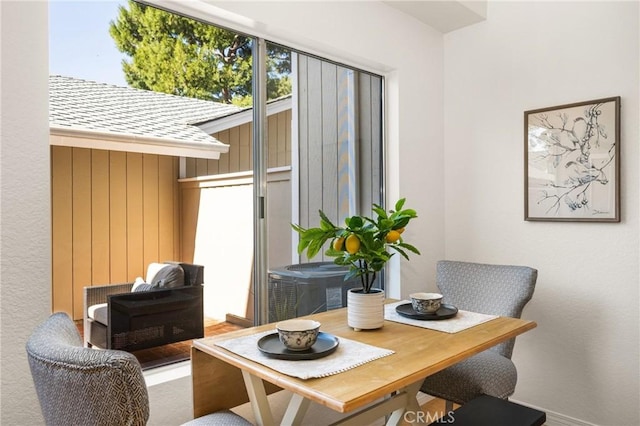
{"x": 572, "y": 162}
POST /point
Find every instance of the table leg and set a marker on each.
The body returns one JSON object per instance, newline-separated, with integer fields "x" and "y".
{"x": 258, "y": 399}
{"x": 397, "y": 404}
{"x": 296, "y": 410}
{"x": 412, "y": 405}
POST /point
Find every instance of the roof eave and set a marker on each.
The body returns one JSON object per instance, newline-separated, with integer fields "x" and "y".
{"x": 239, "y": 118}
{"x": 84, "y": 138}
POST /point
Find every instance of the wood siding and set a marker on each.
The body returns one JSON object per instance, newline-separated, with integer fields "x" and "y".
{"x": 112, "y": 214}
{"x": 340, "y": 141}
{"x": 240, "y": 157}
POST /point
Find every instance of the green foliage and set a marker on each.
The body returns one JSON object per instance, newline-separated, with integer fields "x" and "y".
{"x": 177, "y": 55}
{"x": 375, "y": 241}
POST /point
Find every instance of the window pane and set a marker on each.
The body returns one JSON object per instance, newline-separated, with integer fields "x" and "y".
{"x": 336, "y": 168}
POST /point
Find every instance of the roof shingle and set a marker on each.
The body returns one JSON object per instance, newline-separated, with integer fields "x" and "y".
{"x": 87, "y": 105}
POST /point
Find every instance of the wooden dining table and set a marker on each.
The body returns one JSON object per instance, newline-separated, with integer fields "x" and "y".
{"x": 386, "y": 386}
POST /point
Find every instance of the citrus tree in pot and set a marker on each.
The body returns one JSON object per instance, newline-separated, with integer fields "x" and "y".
{"x": 365, "y": 245}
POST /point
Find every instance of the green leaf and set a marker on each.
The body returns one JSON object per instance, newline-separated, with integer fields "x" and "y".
{"x": 399, "y": 204}
{"x": 314, "y": 233}
{"x": 351, "y": 274}
{"x": 314, "y": 247}
{"x": 302, "y": 244}
{"x": 331, "y": 252}
{"x": 342, "y": 261}
{"x": 379, "y": 211}
{"x": 297, "y": 228}
{"x": 378, "y": 264}
{"x": 355, "y": 222}
{"x": 326, "y": 220}
{"x": 399, "y": 250}
{"x": 401, "y": 223}
{"x": 409, "y": 212}
{"x": 409, "y": 247}
{"x": 370, "y": 222}
{"x": 386, "y": 224}
{"x": 326, "y": 226}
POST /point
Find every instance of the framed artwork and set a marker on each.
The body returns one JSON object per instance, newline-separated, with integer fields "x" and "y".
{"x": 572, "y": 162}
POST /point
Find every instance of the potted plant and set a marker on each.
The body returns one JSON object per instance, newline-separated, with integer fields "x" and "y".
{"x": 365, "y": 245}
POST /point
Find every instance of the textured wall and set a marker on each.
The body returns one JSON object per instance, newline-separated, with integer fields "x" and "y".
{"x": 25, "y": 252}
{"x": 582, "y": 360}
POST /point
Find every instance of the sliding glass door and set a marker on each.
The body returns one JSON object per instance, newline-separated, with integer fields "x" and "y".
{"x": 336, "y": 167}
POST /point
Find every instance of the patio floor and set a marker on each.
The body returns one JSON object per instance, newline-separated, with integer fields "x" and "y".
{"x": 176, "y": 352}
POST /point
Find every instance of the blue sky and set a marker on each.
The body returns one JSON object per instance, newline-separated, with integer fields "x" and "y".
{"x": 79, "y": 41}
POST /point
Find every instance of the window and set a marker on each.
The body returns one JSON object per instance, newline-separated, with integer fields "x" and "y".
{"x": 119, "y": 205}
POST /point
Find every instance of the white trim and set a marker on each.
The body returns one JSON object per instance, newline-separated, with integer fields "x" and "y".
{"x": 242, "y": 117}
{"x": 274, "y": 174}
{"x": 353, "y": 170}
{"x": 76, "y": 138}
{"x": 182, "y": 169}
{"x": 295, "y": 159}
{"x": 159, "y": 375}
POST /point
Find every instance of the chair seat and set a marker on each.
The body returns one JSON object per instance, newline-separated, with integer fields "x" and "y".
{"x": 99, "y": 312}
{"x": 224, "y": 417}
{"x": 485, "y": 373}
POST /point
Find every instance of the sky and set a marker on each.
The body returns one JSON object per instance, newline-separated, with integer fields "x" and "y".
{"x": 79, "y": 42}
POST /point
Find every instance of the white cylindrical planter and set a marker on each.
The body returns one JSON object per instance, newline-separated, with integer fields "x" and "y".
{"x": 365, "y": 311}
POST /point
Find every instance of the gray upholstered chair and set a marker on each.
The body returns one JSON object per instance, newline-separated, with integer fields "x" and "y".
{"x": 84, "y": 386}
{"x": 490, "y": 289}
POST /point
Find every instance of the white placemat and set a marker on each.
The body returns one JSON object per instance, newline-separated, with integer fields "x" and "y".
{"x": 462, "y": 320}
{"x": 349, "y": 354}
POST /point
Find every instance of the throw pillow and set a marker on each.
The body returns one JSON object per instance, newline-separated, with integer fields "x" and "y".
{"x": 152, "y": 270}
{"x": 170, "y": 276}
{"x": 138, "y": 282}
{"x": 142, "y": 287}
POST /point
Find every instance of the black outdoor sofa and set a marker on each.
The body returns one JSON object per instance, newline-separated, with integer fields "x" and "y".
{"x": 154, "y": 314}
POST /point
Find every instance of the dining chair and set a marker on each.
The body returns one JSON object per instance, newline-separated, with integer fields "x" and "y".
{"x": 490, "y": 289}
{"x": 84, "y": 386}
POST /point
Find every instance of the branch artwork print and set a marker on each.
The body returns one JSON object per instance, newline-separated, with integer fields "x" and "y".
{"x": 572, "y": 161}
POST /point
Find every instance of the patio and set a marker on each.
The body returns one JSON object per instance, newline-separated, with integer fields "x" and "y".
{"x": 126, "y": 192}
{"x": 177, "y": 352}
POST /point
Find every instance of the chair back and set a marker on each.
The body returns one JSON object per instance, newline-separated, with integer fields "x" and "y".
{"x": 489, "y": 289}
{"x": 83, "y": 386}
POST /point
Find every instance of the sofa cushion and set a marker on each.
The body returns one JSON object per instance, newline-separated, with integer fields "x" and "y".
{"x": 170, "y": 276}
{"x": 138, "y": 282}
{"x": 142, "y": 287}
{"x": 99, "y": 313}
{"x": 152, "y": 270}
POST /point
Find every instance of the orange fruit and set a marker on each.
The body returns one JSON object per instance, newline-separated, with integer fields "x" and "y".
{"x": 400, "y": 230}
{"x": 393, "y": 236}
{"x": 352, "y": 244}
{"x": 338, "y": 244}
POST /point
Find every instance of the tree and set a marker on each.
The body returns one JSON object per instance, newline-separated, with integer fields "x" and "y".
{"x": 172, "y": 54}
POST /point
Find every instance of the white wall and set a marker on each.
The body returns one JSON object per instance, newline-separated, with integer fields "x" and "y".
{"x": 583, "y": 359}
{"x": 369, "y": 35}
{"x": 25, "y": 253}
